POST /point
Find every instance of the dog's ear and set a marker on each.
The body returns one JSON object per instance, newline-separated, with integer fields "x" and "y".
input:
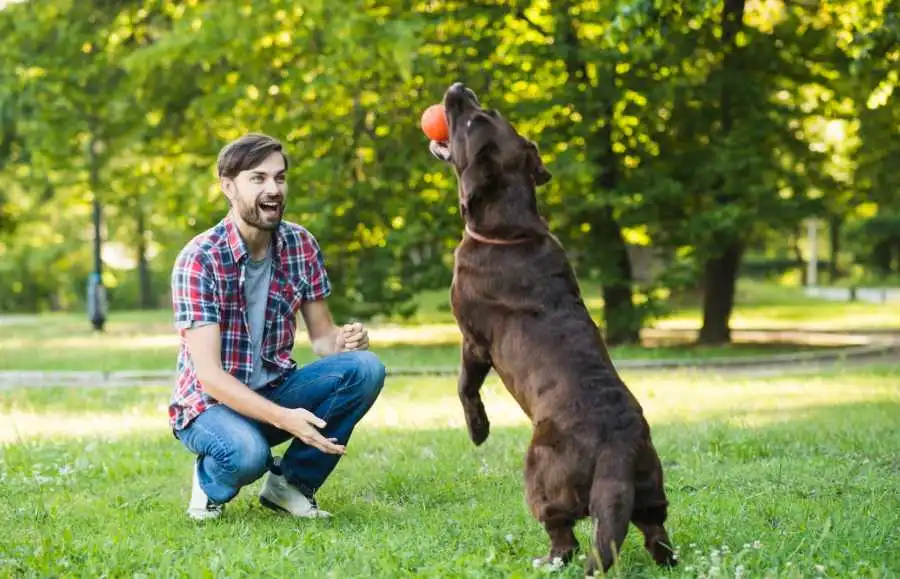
{"x": 487, "y": 155}
{"x": 538, "y": 171}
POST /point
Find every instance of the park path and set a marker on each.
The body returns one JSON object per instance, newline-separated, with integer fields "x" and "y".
{"x": 859, "y": 348}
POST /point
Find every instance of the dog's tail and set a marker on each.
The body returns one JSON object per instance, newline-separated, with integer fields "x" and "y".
{"x": 611, "y": 503}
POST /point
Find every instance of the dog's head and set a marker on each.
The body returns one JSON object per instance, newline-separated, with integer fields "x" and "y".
{"x": 484, "y": 148}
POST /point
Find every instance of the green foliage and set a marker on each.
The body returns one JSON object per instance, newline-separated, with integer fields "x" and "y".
{"x": 665, "y": 124}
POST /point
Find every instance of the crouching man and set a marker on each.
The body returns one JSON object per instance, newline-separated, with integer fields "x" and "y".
{"x": 237, "y": 289}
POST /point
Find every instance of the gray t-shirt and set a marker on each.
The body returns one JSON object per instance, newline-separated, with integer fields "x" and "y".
{"x": 256, "y": 295}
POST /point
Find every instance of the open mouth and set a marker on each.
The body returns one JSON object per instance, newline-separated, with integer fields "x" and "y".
{"x": 270, "y": 208}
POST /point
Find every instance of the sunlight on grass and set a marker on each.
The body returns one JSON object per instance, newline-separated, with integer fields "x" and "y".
{"x": 786, "y": 477}
{"x": 422, "y": 403}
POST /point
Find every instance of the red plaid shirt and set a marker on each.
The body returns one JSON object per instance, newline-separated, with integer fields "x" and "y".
{"x": 208, "y": 286}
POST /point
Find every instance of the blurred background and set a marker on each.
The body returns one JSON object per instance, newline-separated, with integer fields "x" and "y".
{"x": 693, "y": 143}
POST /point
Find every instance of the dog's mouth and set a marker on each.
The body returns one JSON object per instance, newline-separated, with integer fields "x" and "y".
{"x": 460, "y": 102}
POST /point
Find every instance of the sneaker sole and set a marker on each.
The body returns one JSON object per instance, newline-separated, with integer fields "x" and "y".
{"x": 203, "y": 516}
{"x": 270, "y": 505}
{"x": 279, "y": 509}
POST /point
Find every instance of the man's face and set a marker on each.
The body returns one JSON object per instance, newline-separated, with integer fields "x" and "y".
{"x": 258, "y": 195}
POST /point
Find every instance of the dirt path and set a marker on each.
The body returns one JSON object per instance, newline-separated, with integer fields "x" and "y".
{"x": 870, "y": 348}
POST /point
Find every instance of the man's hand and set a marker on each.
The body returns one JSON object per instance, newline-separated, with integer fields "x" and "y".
{"x": 351, "y": 337}
{"x": 326, "y": 337}
{"x": 302, "y": 424}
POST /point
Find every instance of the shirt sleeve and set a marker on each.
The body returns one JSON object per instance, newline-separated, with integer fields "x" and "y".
{"x": 193, "y": 293}
{"x": 319, "y": 285}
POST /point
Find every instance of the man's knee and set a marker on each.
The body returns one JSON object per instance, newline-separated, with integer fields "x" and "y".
{"x": 247, "y": 458}
{"x": 369, "y": 373}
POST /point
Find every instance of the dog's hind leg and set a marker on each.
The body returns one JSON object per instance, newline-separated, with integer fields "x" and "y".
{"x": 651, "y": 508}
{"x": 550, "y": 496}
{"x": 611, "y": 502}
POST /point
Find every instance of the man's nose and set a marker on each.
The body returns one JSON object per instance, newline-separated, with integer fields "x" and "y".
{"x": 271, "y": 186}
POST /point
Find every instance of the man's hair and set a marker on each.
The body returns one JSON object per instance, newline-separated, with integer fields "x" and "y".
{"x": 246, "y": 153}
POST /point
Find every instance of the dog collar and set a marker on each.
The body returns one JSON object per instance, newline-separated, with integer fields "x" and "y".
{"x": 493, "y": 240}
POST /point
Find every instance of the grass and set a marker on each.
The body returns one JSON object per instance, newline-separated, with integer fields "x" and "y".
{"x": 763, "y": 304}
{"x": 147, "y": 340}
{"x": 777, "y": 477}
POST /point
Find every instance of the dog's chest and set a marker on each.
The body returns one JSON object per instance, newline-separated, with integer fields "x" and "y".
{"x": 468, "y": 310}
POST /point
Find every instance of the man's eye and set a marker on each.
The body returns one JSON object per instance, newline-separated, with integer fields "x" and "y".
{"x": 279, "y": 179}
{"x": 256, "y": 179}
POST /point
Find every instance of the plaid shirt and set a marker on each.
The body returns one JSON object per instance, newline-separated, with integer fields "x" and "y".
{"x": 208, "y": 286}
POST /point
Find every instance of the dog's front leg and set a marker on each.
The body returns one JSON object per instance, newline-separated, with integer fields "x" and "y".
{"x": 472, "y": 373}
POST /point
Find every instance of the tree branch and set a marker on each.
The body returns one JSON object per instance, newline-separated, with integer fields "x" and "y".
{"x": 520, "y": 13}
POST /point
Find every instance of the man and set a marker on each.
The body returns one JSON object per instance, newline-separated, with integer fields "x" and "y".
{"x": 236, "y": 290}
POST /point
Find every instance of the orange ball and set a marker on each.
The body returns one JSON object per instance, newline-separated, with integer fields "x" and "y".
{"x": 434, "y": 123}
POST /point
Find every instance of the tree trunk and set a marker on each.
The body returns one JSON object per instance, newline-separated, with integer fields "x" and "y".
{"x": 145, "y": 283}
{"x": 720, "y": 271}
{"x": 834, "y": 232}
{"x": 620, "y": 315}
{"x": 719, "y": 285}
{"x": 882, "y": 258}
{"x": 623, "y": 325}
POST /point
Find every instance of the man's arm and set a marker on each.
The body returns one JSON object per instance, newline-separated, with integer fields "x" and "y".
{"x": 327, "y": 338}
{"x": 205, "y": 344}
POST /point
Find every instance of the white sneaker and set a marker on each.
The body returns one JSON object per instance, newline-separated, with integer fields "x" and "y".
{"x": 278, "y": 495}
{"x": 201, "y": 508}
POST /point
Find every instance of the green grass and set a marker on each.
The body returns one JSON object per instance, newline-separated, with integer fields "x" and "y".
{"x": 147, "y": 340}
{"x": 785, "y": 477}
{"x": 763, "y": 304}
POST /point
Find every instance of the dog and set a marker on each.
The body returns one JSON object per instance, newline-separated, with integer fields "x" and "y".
{"x": 517, "y": 303}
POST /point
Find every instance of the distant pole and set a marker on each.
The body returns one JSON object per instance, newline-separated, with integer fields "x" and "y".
{"x": 96, "y": 292}
{"x": 812, "y": 264}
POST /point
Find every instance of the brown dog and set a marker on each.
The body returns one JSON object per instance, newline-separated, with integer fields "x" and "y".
{"x": 519, "y": 308}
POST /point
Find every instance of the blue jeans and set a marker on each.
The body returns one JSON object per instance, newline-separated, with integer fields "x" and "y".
{"x": 233, "y": 450}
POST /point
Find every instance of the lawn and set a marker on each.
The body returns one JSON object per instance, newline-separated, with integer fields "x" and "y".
{"x": 147, "y": 341}
{"x": 776, "y": 477}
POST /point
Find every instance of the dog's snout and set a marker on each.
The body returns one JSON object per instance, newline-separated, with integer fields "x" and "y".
{"x": 460, "y": 91}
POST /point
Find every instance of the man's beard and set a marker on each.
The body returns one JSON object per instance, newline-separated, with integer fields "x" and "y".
{"x": 255, "y": 216}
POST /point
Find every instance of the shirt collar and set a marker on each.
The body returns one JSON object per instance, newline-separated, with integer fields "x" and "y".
{"x": 239, "y": 247}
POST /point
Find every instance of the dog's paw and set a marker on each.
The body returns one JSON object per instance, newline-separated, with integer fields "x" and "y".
{"x": 476, "y": 420}
{"x": 479, "y": 428}
{"x": 548, "y": 564}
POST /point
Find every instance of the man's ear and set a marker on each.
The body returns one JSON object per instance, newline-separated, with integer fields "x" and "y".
{"x": 538, "y": 171}
{"x": 227, "y": 187}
